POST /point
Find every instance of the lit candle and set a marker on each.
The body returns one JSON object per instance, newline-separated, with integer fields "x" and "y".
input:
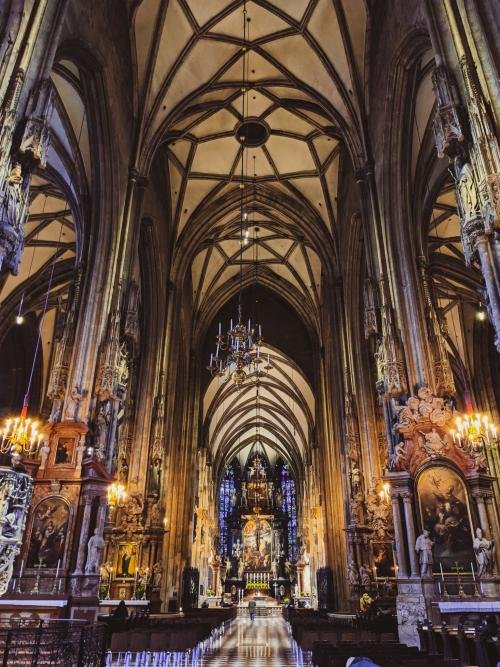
{"x": 220, "y": 329}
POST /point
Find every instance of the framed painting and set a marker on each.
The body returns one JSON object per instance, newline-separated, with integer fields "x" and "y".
{"x": 48, "y": 533}
{"x": 444, "y": 511}
{"x": 126, "y": 560}
{"x": 383, "y": 559}
{"x": 64, "y": 451}
{"x": 257, "y": 543}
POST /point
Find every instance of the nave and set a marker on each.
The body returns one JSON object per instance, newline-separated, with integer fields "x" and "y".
{"x": 265, "y": 641}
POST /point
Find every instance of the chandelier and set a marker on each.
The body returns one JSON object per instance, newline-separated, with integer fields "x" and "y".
{"x": 20, "y": 435}
{"x": 116, "y": 494}
{"x": 241, "y": 348}
{"x": 474, "y": 432}
{"x": 237, "y": 352}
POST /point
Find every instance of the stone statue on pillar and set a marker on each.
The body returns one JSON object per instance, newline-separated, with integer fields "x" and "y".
{"x": 352, "y": 574}
{"x": 95, "y": 548}
{"x": 484, "y": 551}
{"x": 423, "y": 546}
{"x": 73, "y": 404}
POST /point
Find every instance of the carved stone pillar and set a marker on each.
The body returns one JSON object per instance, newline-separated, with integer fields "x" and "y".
{"x": 216, "y": 579}
{"x": 399, "y": 537}
{"x": 481, "y": 510}
{"x": 410, "y": 532}
{"x": 16, "y": 489}
{"x": 84, "y": 535}
{"x": 491, "y": 511}
{"x": 300, "y": 577}
{"x": 487, "y": 258}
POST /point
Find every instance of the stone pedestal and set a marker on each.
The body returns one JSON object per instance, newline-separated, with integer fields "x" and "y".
{"x": 411, "y": 607}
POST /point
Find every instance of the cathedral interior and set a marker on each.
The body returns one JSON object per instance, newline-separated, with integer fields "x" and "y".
{"x": 249, "y": 319}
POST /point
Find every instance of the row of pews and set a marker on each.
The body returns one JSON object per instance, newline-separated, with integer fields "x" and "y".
{"x": 462, "y": 645}
{"x": 334, "y": 638}
{"x": 144, "y": 632}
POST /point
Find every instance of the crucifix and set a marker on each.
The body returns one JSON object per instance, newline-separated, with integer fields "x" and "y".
{"x": 237, "y": 549}
{"x": 458, "y": 569}
{"x": 36, "y": 588}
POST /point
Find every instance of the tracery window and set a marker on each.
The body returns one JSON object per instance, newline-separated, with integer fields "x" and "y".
{"x": 289, "y": 506}
{"x": 226, "y": 491}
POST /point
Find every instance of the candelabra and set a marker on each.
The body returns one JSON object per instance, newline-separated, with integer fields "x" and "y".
{"x": 474, "y": 432}
{"x": 20, "y": 435}
{"x": 237, "y": 352}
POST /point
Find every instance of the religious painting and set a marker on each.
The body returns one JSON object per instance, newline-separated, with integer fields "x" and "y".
{"x": 445, "y": 513}
{"x": 383, "y": 559}
{"x": 64, "y": 451}
{"x": 48, "y": 533}
{"x": 126, "y": 560}
{"x": 257, "y": 541}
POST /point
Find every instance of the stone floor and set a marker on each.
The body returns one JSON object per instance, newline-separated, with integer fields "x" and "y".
{"x": 264, "y": 641}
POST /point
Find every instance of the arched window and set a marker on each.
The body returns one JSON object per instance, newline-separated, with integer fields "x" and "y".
{"x": 290, "y": 507}
{"x": 227, "y": 488}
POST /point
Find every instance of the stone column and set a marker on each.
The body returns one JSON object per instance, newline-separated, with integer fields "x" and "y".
{"x": 491, "y": 512}
{"x": 359, "y": 555}
{"x": 399, "y": 538}
{"x": 84, "y": 536}
{"x": 300, "y": 577}
{"x": 487, "y": 259}
{"x": 410, "y": 533}
{"x": 481, "y": 510}
{"x": 215, "y": 570}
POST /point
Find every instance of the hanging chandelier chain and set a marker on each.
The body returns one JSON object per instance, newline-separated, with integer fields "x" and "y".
{"x": 237, "y": 352}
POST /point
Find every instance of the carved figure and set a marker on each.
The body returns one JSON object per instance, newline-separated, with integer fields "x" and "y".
{"x": 352, "y": 574}
{"x": 228, "y": 567}
{"x": 241, "y": 568}
{"x": 364, "y": 575}
{"x": 44, "y": 453}
{"x": 484, "y": 551}
{"x": 275, "y": 568}
{"x": 432, "y": 443}
{"x": 103, "y": 421}
{"x": 398, "y": 458}
{"x": 73, "y": 404}
{"x": 157, "y": 571}
{"x": 356, "y": 479}
{"x": 95, "y": 548}
{"x": 467, "y": 192}
{"x": 244, "y": 497}
{"x": 423, "y": 546}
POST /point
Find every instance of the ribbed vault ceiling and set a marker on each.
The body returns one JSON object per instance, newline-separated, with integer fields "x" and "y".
{"x": 281, "y": 418}
{"x": 304, "y": 64}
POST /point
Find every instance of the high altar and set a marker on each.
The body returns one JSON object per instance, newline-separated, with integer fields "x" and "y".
{"x": 258, "y": 536}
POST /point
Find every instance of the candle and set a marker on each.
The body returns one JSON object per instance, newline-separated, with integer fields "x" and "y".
{"x": 473, "y": 575}
{"x": 442, "y": 574}
{"x": 57, "y": 569}
{"x": 21, "y": 569}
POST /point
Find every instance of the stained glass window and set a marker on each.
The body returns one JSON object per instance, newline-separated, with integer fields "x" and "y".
{"x": 226, "y": 491}
{"x": 290, "y": 507}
